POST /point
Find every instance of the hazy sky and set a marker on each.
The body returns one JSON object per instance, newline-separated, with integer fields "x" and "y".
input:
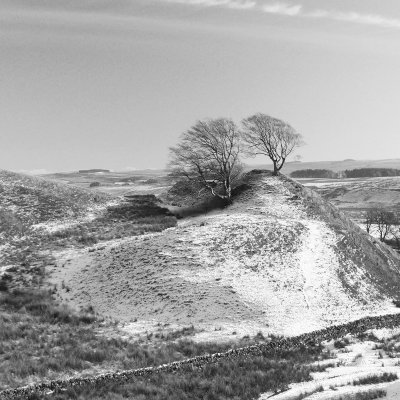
{"x": 113, "y": 83}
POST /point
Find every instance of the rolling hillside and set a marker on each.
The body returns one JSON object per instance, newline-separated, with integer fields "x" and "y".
{"x": 280, "y": 260}
{"x": 359, "y": 194}
{"x": 38, "y": 215}
{"x": 34, "y": 200}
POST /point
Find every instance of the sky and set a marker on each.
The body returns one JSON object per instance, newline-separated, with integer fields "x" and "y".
{"x": 113, "y": 83}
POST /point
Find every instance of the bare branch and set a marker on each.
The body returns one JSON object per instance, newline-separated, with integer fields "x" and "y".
{"x": 209, "y": 153}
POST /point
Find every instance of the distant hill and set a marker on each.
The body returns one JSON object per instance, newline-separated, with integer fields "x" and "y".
{"x": 371, "y": 172}
{"x": 314, "y": 173}
{"x": 335, "y": 166}
{"x": 91, "y": 171}
{"x": 116, "y": 183}
{"x": 348, "y": 173}
{"x": 281, "y": 259}
{"x": 289, "y": 167}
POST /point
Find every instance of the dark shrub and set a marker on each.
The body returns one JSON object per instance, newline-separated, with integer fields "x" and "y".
{"x": 95, "y": 184}
{"x": 314, "y": 173}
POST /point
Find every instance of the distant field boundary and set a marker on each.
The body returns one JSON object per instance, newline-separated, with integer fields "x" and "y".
{"x": 273, "y": 347}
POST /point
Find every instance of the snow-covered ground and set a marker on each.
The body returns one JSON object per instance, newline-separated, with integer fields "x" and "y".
{"x": 359, "y": 359}
{"x": 92, "y": 213}
{"x": 320, "y": 183}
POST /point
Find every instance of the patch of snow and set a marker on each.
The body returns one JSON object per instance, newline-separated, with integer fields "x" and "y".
{"x": 360, "y": 359}
{"x": 4, "y": 268}
{"x": 326, "y": 184}
{"x": 63, "y": 224}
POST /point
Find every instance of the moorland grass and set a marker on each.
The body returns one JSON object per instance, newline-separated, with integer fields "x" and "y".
{"x": 104, "y": 228}
{"x": 385, "y": 377}
{"x": 304, "y": 395}
{"x": 243, "y": 378}
{"x": 370, "y": 395}
{"x": 239, "y": 379}
{"x": 40, "y": 339}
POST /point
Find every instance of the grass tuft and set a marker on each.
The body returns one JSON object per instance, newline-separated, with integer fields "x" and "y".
{"x": 385, "y": 377}
{"x": 370, "y": 395}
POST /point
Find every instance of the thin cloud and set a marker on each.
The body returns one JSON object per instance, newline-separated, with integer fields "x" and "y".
{"x": 283, "y": 9}
{"x": 365, "y": 19}
{"x": 297, "y": 10}
{"x": 234, "y": 4}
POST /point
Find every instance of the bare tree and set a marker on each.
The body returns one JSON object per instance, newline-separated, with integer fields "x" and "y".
{"x": 370, "y": 218}
{"x": 395, "y": 232}
{"x": 209, "y": 153}
{"x": 270, "y": 136}
{"x": 384, "y": 223}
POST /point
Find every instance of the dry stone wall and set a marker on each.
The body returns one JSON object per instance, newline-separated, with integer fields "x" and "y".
{"x": 273, "y": 347}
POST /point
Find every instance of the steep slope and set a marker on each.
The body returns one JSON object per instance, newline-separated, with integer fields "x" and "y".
{"x": 280, "y": 259}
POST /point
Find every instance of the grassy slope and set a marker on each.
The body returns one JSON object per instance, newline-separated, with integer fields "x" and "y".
{"x": 78, "y": 217}
{"x": 26, "y": 201}
{"x": 33, "y": 200}
{"x": 38, "y": 336}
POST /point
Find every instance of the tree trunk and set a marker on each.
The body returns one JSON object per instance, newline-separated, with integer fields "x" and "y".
{"x": 276, "y": 170}
{"x": 228, "y": 191}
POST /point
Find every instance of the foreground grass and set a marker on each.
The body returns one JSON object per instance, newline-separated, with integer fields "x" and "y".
{"x": 40, "y": 339}
{"x": 304, "y": 395}
{"x": 370, "y": 395}
{"x": 238, "y": 379}
{"x": 243, "y": 378}
{"x": 385, "y": 377}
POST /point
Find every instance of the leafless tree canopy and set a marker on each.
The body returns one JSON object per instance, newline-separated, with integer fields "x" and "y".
{"x": 370, "y": 218}
{"x": 383, "y": 221}
{"x": 209, "y": 153}
{"x": 270, "y": 136}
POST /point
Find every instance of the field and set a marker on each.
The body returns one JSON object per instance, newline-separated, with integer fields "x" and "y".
{"x": 354, "y": 196}
{"x": 117, "y": 183}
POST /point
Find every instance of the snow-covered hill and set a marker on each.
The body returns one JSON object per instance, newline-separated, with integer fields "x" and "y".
{"x": 280, "y": 259}
{"x": 34, "y": 200}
